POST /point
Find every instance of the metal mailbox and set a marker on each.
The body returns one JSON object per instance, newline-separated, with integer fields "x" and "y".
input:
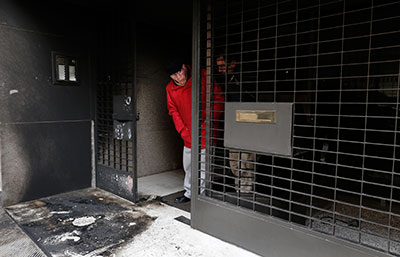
{"x": 123, "y": 117}
{"x": 260, "y": 127}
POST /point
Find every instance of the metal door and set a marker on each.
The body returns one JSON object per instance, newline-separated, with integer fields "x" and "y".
{"x": 115, "y": 101}
{"x": 337, "y": 191}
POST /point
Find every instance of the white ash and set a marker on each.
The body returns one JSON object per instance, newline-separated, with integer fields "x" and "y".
{"x": 84, "y": 221}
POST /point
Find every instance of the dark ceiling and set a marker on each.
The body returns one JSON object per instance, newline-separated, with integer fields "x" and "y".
{"x": 175, "y": 15}
{"x": 172, "y": 14}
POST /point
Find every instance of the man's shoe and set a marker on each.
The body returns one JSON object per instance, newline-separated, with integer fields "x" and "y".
{"x": 182, "y": 199}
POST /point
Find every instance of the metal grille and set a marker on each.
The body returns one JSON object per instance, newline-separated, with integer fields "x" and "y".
{"x": 338, "y": 63}
{"x": 114, "y": 77}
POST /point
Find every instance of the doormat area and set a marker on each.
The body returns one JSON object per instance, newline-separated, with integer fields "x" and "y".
{"x": 87, "y": 222}
{"x": 14, "y": 242}
{"x": 170, "y": 200}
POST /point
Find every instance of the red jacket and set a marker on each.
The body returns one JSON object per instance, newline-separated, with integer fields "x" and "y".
{"x": 179, "y": 102}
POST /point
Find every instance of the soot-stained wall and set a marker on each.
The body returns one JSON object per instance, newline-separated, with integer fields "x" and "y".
{"x": 45, "y": 129}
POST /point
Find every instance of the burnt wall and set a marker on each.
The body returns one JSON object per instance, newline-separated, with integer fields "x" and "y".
{"x": 45, "y": 129}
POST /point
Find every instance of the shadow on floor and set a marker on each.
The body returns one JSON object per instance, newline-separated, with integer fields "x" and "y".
{"x": 170, "y": 200}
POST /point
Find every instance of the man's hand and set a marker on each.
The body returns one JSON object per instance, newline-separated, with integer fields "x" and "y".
{"x": 185, "y": 134}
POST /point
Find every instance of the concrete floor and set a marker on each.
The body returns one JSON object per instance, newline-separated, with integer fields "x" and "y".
{"x": 161, "y": 184}
{"x": 170, "y": 238}
{"x": 165, "y": 236}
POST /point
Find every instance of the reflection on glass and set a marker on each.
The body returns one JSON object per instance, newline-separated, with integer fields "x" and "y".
{"x": 72, "y": 76}
{"x": 61, "y": 72}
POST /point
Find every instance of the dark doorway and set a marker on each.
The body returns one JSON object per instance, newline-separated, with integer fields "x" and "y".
{"x": 132, "y": 45}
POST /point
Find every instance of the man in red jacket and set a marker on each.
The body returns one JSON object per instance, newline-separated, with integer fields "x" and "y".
{"x": 179, "y": 101}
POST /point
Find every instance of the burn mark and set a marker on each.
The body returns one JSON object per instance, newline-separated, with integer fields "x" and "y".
{"x": 49, "y": 222}
{"x": 119, "y": 182}
{"x": 147, "y": 200}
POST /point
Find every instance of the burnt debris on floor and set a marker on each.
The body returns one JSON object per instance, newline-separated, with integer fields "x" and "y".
{"x": 88, "y": 222}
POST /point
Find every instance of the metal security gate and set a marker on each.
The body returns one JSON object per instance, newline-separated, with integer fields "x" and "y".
{"x": 336, "y": 192}
{"x": 115, "y": 104}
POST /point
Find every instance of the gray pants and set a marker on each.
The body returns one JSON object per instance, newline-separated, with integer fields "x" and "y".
{"x": 187, "y": 166}
{"x": 245, "y": 173}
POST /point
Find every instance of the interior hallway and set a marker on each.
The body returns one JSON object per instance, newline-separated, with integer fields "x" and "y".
{"x": 161, "y": 184}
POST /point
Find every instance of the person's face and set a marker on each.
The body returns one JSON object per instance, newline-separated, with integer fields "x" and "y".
{"x": 180, "y": 78}
{"x": 222, "y": 65}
